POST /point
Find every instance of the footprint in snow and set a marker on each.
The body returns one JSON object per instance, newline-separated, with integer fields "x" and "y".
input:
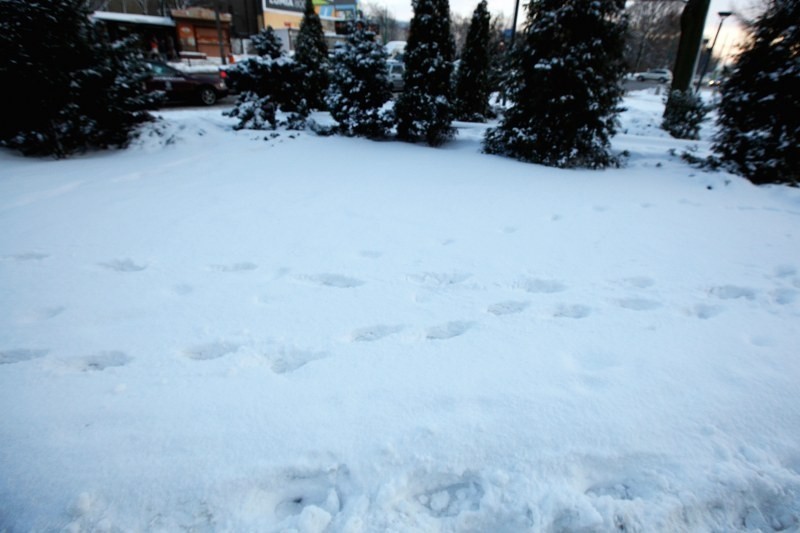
{"x": 638, "y": 304}
{"x": 451, "y": 495}
{"x": 639, "y": 282}
{"x": 99, "y": 361}
{"x": 507, "y": 308}
{"x": 370, "y": 254}
{"x": 287, "y": 360}
{"x": 123, "y": 265}
{"x": 705, "y": 311}
{"x": 336, "y": 281}
{"x": 27, "y": 256}
{"x": 304, "y": 492}
{"x": 19, "y": 355}
{"x": 785, "y": 271}
{"x": 182, "y": 289}
{"x": 784, "y": 296}
{"x": 235, "y": 267}
{"x": 211, "y": 350}
{"x": 448, "y": 331}
{"x": 439, "y": 279}
{"x": 731, "y": 292}
{"x": 572, "y": 311}
{"x": 374, "y": 333}
{"x": 540, "y": 286}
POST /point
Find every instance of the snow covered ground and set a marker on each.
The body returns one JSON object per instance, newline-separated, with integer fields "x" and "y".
{"x": 229, "y": 331}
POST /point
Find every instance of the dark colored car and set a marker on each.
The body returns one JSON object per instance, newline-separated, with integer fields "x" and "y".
{"x": 196, "y": 87}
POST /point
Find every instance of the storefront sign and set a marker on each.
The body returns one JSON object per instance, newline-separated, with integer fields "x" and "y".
{"x": 286, "y": 5}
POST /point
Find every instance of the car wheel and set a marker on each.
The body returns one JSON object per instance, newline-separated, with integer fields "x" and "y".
{"x": 663, "y": 80}
{"x": 207, "y": 96}
{"x": 639, "y": 78}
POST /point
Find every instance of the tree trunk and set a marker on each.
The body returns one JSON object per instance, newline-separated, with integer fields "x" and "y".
{"x": 693, "y": 22}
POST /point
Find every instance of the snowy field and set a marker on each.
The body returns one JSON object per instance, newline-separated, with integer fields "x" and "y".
{"x": 226, "y": 331}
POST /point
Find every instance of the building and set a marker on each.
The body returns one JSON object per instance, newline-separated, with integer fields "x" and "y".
{"x": 156, "y": 34}
{"x": 285, "y": 16}
{"x": 203, "y": 31}
{"x": 194, "y": 30}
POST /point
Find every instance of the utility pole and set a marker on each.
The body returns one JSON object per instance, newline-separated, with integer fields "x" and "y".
{"x": 217, "y": 7}
{"x": 722, "y": 16}
{"x": 514, "y": 26}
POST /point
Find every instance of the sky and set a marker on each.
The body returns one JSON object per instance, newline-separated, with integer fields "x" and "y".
{"x": 729, "y": 35}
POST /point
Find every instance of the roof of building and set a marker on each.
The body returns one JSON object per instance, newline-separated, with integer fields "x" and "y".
{"x": 133, "y": 18}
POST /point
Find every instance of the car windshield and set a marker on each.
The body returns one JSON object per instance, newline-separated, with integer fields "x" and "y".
{"x": 160, "y": 69}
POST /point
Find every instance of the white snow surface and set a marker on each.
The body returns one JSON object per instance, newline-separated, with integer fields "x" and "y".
{"x": 228, "y": 331}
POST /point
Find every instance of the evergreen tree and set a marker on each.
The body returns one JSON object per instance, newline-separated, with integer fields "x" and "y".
{"x": 472, "y": 78}
{"x": 424, "y": 110}
{"x": 264, "y": 83}
{"x": 565, "y": 85}
{"x": 759, "y": 114}
{"x": 360, "y": 87}
{"x": 311, "y": 58}
{"x": 267, "y": 44}
{"x": 683, "y": 114}
{"x": 74, "y": 90}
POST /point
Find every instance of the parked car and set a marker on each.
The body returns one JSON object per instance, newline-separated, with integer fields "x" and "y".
{"x": 660, "y": 75}
{"x": 396, "y": 71}
{"x": 201, "y": 87}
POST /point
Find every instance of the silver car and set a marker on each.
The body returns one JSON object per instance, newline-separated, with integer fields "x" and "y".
{"x": 396, "y": 71}
{"x": 660, "y": 75}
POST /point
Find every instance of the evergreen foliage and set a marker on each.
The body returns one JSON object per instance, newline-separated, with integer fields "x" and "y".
{"x": 424, "y": 110}
{"x": 360, "y": 87}
{"x": 264, "y": 83}
{"x": 683, "y": 114}
{"x": 73, "y": 90}
{"x": 311, "y": 57}
{"x": 472, "y": 78}
{"x": 565, "y": 85}
{"x": 759, "y": 114}
{"x": 267, "y": 44}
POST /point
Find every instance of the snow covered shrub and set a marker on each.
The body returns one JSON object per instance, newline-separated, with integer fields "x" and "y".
{"x": 423, "y": 110}
{"x": 254, "y": 113}
{"x": 360, "y": 87}
{"x": 759, "y": 114}
{"x": 564, "y": 85}
{"x": 683, "y": 115}
{"x": 311, "y": 58}
{"x": 472, "y": 78}
{"x": 72, "y": 90}
{"x": 264, "y": 83}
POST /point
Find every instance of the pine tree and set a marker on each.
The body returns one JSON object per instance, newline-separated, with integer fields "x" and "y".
{"x": 264, "y": 83}
{"x": 424, "y": 110}
{"x": 311, "y": 58}
{"x": 267, "y": 44}
{"x": 759, "y": 114}
{"x": 75, "y": 90}
{"x": 565, "y": 85}
{"x": 472, "y": 79}
{"x": 360, "y": 87}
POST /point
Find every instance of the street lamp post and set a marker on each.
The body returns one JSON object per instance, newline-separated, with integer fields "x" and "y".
{"x": 514, "y": 25}
{"x": 722, "y": 16}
